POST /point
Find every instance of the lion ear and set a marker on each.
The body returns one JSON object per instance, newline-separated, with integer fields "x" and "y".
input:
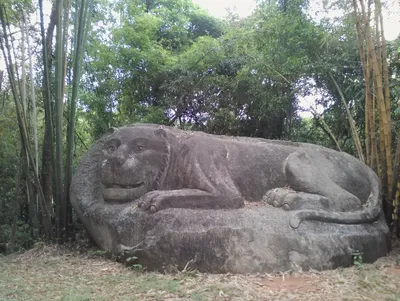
{"x": 111, "y": 130}
{"x": 161, "y": 133}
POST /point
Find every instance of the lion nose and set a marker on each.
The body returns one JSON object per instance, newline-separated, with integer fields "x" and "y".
{"x": 119, "y": 157}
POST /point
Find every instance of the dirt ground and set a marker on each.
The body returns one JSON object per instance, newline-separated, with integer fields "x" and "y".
{"x": 63, "y": 273}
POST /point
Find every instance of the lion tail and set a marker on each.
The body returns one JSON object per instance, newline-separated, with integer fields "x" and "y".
{"x": 369, "y": 213}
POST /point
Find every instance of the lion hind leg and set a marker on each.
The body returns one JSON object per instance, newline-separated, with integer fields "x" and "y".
{"x": 309, "y": 173}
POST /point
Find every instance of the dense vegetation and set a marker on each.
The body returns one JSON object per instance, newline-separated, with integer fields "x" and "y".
{"x": 104, "y": 63}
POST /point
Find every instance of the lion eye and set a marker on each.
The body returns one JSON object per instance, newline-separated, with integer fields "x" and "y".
{"x": 111, "y": 148}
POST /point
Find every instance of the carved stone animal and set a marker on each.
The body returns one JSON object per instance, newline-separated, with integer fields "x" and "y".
{"x": 163, "y": 167}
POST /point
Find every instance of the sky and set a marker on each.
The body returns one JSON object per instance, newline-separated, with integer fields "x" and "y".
{"x": 217, "y": 8}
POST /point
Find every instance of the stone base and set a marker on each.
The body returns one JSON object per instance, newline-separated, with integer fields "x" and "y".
{"x": 248, "y": 240}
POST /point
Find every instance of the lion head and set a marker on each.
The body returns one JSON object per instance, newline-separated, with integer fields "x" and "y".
{"x": 134, "y": 159}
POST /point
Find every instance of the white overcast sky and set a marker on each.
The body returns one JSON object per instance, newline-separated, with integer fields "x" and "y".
{"x": 218, "y": 7}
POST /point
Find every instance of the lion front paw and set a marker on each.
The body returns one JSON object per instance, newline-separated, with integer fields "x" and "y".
{"x": 152, "y": 201}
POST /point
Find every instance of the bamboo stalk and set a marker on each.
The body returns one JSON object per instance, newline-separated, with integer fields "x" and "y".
{"x": 382, "y": 154}
{"x": 385, "y": 74}
{"x": 354, "y": 133}
{"x": 65, "y": 41}
{"x": 384, "y": 118}
{"x": 365, "y": 67}
{"x": 34, "y": 118}
{"x": 84, "y": 13}
{"x": 29, "y": 191}
{"x": 370, "y": 131}
{"x": 23, "y": 70}
{"x": 374, "y": 147}
{"x": 59, "y": 81}
{"x": 48, "y": 163}
{"x": 33, "y": 98}
{"x": 326, "y": 128}
{"x": 65, "y": 36}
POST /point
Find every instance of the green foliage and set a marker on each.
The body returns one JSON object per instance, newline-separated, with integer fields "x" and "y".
{"x": 134, "y": 266}
{"x": 9, "y": 158}
{"x": 308, "y": 130}
{"x": 289, "y": 40}
{"x": 169, "y": 62}
{"x": 23, "y": 239}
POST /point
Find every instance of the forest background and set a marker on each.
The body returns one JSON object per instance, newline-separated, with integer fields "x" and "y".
{"x": 94, "y": 64}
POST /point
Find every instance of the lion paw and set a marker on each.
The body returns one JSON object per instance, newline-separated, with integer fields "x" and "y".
{"x": 152, "y": 201}
{"x": 289, "y": 199}
{"x": 284, "y": 198}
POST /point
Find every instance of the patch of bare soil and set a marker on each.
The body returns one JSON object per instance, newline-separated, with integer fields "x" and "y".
{"x": 395, "y": 271}
{"x": 301, "y": 283}
{"x": 61, "y": 273}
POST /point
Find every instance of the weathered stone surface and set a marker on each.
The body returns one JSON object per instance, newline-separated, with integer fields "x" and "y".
{"x": 170, "y": 197}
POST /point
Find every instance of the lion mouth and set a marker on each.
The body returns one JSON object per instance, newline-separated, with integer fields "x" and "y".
{"x": 123, "y": 193}
{"x": 108, "y": 186}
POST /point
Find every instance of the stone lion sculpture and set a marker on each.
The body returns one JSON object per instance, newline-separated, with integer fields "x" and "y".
{"x": 162, "y": 167}
{"x": 227, "y": 204}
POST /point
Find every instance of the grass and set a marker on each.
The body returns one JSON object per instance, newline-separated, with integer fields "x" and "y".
{"x": 61, "y": 273}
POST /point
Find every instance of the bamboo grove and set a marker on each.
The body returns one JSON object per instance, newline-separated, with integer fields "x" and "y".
{"x": 41, "y": 197}
{"x": 72, "y": 69}
{"x": 378, "y": 125}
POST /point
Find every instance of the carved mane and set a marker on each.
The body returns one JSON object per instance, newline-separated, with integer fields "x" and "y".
{"x": 166, "y": 160}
